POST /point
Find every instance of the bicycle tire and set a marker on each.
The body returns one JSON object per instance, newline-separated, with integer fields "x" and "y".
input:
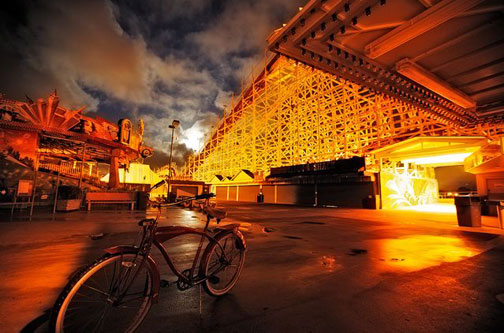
{"x": 60, "y": 315}
{"x": 215, "y": 265}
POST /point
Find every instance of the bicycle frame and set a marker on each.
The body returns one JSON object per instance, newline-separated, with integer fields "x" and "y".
{"x": 152, "y": 234}
{"x": 165, "y": 233}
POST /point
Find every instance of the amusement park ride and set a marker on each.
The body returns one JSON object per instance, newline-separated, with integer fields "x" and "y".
{"x": 295, "y": 114}
{"x": 405, "y": 86}
{"x": 334, "y": 89}
{"x": 45, "y": 136}
{"x": 348, "y": 78}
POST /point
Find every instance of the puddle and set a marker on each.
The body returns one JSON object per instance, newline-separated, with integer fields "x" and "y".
{"x": 96, "y": 236}
{"x": 421, "y": 251}
{"x": 355, "y": 252}
{"x": 316, "y": 266}
{"x": 293, "y": 237}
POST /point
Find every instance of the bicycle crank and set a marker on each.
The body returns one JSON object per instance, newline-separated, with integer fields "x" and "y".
{"x": 182, "y": 285}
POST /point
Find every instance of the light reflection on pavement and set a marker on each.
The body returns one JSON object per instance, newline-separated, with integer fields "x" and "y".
{"x": 315, "y": 269}
{"x": 412, "y": 253}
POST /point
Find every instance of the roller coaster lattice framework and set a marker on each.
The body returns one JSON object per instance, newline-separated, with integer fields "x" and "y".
{"x": 293, "y": 114}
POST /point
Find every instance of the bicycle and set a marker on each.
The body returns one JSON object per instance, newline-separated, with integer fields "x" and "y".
{"x": 115, "y": 292}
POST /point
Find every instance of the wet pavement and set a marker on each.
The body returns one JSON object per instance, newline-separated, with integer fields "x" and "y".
{"x": 307, "y": 270}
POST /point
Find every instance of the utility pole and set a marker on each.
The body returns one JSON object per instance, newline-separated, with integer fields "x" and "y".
{"x": 173, "y": 126}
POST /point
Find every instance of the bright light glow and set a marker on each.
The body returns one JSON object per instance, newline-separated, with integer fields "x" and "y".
{"x": 400, "y": 191}
{"x": 136, "y": 174}
{"x": 440, "y": 159}
{"x": 194, "y": 136}
{"x": 194, "y": 139}
{"x": 433, "y": 208}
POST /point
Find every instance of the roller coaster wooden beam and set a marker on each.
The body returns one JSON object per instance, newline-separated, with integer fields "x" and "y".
{"x": 293, "y": 114}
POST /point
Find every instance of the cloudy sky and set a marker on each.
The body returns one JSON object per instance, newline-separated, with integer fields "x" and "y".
{"x": 157, "y": 60}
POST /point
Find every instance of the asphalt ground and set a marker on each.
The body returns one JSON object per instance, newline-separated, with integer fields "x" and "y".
{"x": 306, "y": 270}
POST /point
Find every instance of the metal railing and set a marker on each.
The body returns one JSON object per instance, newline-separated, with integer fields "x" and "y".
{"x": 69, "y": 169}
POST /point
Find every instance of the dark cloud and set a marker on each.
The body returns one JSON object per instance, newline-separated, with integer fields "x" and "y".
{"x": 154, "y": 59}
{"x": 159, "y": 159}
{"x": 181, "y": 153}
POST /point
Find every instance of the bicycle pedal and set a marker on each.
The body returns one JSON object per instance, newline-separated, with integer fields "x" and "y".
{"x": 214, "y": 279}
{"x": 164, "y": 284}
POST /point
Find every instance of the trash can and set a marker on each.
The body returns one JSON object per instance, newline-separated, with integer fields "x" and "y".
{"x": 142, "y": 200}
{"x": 500, "y": 214}
{"x": 260, "y": 197}
{"x": 468, "y": 211}
{"x": 369, "y": 202}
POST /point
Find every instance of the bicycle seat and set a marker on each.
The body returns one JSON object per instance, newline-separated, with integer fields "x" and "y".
{"x": 146, "y": 221}
{"x": 213, "y": 212}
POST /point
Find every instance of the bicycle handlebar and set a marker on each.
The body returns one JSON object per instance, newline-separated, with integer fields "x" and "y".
{"x": 197, "y": 197}
{"x": 155, "y": 186}
{"x": 204, "y": 196}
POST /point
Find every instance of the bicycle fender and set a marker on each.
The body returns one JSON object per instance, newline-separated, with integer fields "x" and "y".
{"x": 121, "y": 249}
{"x": 238, "y": 234}
{"x": 220, "y": 234}
{"x": 235, "y": 231}
{"x": 152, "y": 264}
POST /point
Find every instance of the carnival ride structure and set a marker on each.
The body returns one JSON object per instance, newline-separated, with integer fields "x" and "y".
{"x": 49, "y": 137}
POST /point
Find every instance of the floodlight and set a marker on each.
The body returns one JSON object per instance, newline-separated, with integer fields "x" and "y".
{"x": 175, "y": 124}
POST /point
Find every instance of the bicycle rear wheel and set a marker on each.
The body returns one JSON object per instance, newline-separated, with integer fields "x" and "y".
{"x": 113, "y": 294}
{"x": 222, "y": 264}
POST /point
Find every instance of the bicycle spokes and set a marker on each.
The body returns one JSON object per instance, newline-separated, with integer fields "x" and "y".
{"x": 110, "y": 295}
{"x": 223, "y": 260}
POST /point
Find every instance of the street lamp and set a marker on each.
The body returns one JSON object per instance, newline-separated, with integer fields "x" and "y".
{"x": 173, "y": 126}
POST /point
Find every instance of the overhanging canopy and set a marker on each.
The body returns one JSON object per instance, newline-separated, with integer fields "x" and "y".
{"x": 446, "y": 56}
{"x": 432, "y": 151}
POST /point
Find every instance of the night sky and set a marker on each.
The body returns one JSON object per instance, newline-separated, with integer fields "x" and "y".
{"x": 157, "y": 60}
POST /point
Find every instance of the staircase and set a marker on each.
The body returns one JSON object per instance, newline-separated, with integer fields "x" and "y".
{"x": 72, "y": 169}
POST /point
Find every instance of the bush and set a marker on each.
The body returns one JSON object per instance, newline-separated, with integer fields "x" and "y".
{"x": 67, "y": 192}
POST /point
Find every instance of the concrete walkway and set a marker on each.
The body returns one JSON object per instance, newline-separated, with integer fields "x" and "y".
{"x": 307, "y": 269}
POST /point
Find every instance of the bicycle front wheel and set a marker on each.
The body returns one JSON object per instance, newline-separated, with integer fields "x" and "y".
{"x": 113, "y": 294}
{"x": 222, "y": 264}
